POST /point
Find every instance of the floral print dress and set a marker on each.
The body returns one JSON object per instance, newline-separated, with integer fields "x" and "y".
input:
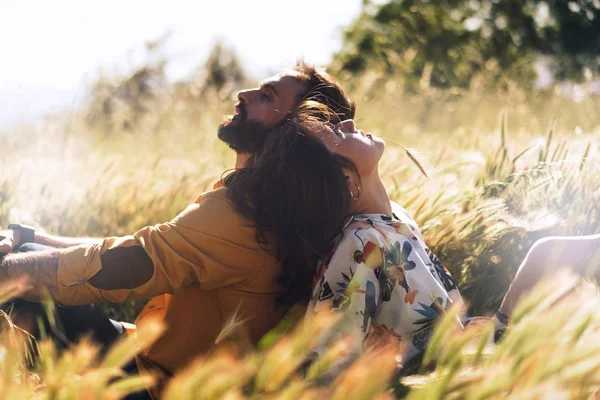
{"x": 390, "y": 287}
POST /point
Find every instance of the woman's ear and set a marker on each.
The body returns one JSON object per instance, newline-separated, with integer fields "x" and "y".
{"x": 353, "y": 187}
{"x": 350, "y": 179}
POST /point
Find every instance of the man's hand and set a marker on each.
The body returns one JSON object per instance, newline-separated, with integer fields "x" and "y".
{"x": 8, "y": 240}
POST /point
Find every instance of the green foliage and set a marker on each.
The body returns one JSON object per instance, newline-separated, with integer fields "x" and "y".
{"x": 447, "y": 44}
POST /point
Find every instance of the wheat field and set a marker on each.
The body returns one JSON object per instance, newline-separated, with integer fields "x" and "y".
{"x": 505, "y": 168}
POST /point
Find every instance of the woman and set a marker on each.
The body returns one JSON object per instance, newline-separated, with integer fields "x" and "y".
{"x": 380, "y": 273}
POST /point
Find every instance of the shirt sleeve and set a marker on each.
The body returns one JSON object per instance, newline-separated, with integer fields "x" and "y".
{"x": 204, "y": 245}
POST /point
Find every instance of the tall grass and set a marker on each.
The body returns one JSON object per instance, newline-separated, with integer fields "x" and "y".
{"x": 550, "y": 351}
{"x": 505, "y": 169}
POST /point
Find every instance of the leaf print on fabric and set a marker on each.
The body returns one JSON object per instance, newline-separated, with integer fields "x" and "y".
{"x": 370, "y": 305}
{"x": 421, "y": 338}
{"x": 442, "y": 273}
{"x": 430, "y": 313}
{"x": 407, "y": 248}
{"x": 396, "y": 267}
{"x": 342, "y": 302}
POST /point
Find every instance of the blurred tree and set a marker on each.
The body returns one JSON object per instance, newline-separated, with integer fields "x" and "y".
{"x": 222, "y": 74}
{"x": 119, "y": 102}
{"x": 446, "y": 43}
{"x": 124, "y": 101}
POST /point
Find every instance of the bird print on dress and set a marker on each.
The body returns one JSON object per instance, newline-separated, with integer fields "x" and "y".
{"x": 388, "y": 284}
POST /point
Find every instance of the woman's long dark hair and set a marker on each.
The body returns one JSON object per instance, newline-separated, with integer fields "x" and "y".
{"x": 296, "y": 192}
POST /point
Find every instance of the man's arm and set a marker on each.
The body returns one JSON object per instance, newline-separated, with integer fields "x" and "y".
{"x": 208, "y": 244}
{"x": 122, "y": 268}
{"x": 40, "y": 268}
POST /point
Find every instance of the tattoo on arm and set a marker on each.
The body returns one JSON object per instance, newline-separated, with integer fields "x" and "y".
{"x": 40, "y": 268}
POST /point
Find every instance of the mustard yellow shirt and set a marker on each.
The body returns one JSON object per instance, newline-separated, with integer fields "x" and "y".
{"x": 210, "y": 266}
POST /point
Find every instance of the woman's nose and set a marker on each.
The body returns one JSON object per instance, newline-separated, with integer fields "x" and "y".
{"x": 346, "y": 126}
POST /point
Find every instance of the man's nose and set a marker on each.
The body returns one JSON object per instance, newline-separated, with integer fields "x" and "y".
{"x": 243, "y": 96}
{"x": 347, "y": 126}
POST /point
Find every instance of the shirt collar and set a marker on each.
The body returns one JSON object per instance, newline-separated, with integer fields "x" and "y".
{"x": 382, "y": 218}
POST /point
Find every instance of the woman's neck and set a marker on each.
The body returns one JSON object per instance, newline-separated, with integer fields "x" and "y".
{"x": 373, "y": 197}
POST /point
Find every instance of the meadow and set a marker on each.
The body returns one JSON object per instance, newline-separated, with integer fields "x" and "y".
{"x": 504, "y": 169}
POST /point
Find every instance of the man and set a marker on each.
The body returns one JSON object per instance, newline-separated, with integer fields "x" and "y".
{"x": 202, "y": 268}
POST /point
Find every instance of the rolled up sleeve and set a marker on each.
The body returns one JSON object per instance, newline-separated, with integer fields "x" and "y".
{"x": 75, "y": 266}
{"x": 208, "y": 244}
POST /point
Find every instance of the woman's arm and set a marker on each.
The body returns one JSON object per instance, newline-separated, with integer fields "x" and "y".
{"x": 579, "y": 254}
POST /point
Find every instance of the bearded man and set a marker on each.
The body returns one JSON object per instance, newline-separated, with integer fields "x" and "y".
{"x": 201, "y": 269}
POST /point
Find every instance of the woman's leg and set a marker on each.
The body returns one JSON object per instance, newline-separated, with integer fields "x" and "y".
{"x": 579, "y": 254}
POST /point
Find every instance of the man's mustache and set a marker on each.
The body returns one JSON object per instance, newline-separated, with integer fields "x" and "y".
{"x": 241, "y": 107}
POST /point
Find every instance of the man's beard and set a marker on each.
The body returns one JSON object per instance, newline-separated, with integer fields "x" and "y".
{"x": 243, "y": 136}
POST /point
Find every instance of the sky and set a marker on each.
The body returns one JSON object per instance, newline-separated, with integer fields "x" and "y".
{"x": 50, "y": 49}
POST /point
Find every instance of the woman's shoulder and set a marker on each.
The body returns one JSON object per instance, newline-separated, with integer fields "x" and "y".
{"x": 352, "y": 238}
{"x": 369, "y": 227}
{"x": 365, "y": 232}
{"x": 404, "y": 216}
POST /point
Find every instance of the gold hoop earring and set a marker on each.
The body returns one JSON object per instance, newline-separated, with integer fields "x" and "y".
{"x": 352, "y": 194}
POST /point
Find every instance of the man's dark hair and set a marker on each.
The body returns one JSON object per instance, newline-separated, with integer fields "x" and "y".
{"x": 296, "y": 192}
{"x": 323, "y": 89}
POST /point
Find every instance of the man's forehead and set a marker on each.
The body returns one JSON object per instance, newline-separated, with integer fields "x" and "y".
{"x": 284, "y": 83}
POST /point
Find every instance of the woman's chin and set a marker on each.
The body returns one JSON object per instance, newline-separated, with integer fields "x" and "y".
{"x": 377, "y": 141}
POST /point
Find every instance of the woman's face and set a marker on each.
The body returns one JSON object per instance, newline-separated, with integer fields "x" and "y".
{"x": 363, "y": 149}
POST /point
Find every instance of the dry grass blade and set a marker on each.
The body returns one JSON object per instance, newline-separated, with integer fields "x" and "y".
{"x": 412, "y": 156}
